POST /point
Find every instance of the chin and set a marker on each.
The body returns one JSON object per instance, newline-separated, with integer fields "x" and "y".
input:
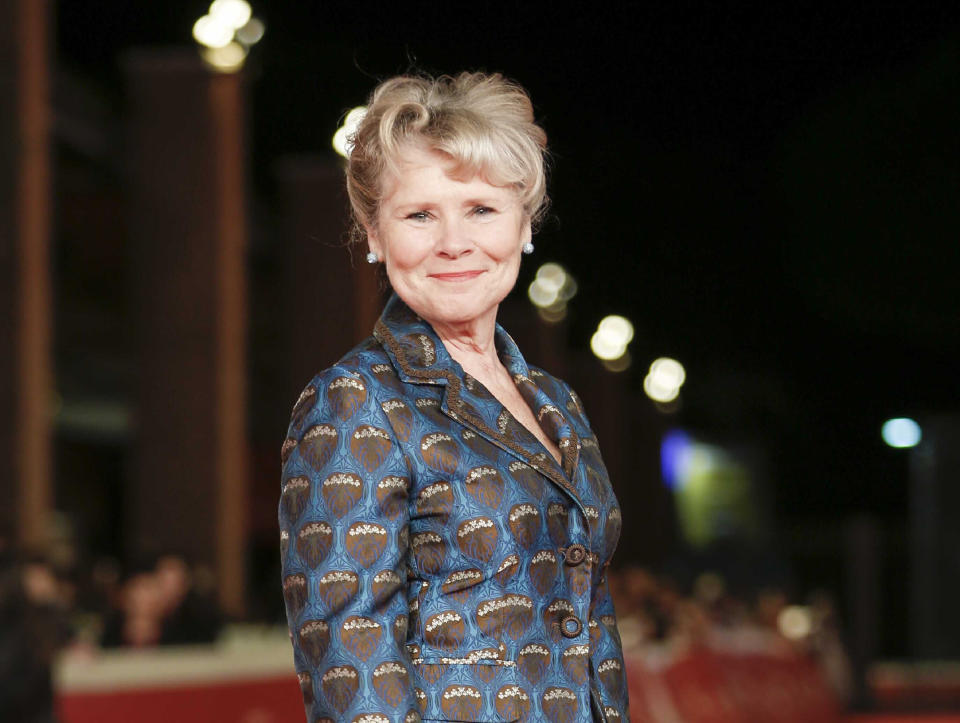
{"x": 455, "y": 314}
{"x": 453, "y": 310}
{"x": 456, "y": 304}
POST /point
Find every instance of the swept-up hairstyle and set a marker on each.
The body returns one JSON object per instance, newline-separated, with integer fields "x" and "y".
{"x": 484, "y": 122}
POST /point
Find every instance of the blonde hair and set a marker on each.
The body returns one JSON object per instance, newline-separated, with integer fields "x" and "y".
{"x": 484, "y": 122}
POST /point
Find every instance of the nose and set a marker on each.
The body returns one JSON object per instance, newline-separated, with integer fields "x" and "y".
{"x": 454, "y": 239}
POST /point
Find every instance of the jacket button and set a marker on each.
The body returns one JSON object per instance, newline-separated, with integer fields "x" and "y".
{"x": 575, "y": 554}
{"x": 571, "y": 626}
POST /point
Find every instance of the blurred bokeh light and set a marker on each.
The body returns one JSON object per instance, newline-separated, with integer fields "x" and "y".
{"x": 610, "y": 340}
{"x": 226, "y": 33}
{"x": 663, "y": 381}
{"x": 901, "y": 433}
{"x": 795, "y": 622}
{"x": 342, "y": 142}
{"x": 550, "y": 291}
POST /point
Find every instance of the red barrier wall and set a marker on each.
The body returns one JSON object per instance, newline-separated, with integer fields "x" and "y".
{"x": 275, "y": 700}
{"x": 704, "y": 685}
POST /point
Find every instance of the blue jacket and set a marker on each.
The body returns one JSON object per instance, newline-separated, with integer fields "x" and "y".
{"x": 438, "y": 563}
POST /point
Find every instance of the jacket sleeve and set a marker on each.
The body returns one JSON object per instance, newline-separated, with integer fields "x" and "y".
{"x": 343, "y": 536}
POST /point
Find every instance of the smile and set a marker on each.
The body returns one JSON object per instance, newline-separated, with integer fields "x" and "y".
{"x": 458, "y": 276}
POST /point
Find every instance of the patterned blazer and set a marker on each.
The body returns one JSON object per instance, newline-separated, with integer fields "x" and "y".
{"x": 438, "y": 563}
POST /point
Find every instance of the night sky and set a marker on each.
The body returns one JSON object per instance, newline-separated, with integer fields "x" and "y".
{"x": 768, "y": 191}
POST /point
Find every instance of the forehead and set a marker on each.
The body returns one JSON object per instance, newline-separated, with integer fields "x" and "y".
{"x": 419, "y": 170}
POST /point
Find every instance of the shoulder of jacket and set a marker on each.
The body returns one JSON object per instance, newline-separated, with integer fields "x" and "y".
{"x": 356, "y": 364}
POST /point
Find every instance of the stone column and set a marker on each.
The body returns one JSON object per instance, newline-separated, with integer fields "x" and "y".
{"x": 331, "y": 297}
{"x": 188, "y": 226}
{"x": 25, "y": 294}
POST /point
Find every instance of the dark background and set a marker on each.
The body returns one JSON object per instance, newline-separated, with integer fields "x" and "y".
{"x": 768, "y": 191}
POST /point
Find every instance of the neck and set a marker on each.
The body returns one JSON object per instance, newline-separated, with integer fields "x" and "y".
{"x": 472, "y": 343}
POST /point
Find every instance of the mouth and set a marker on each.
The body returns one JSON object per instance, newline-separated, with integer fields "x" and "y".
{"x": 457, "y": 276}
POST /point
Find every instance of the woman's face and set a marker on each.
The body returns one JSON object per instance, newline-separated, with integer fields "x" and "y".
{"x": 451, "y": 245}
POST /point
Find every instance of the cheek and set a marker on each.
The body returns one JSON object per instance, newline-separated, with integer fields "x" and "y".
{"x": 505, "y": 247}
{"x": 508, "y": 253}
{"x": 512, "y": 266}
{"x": 405, "y": 254}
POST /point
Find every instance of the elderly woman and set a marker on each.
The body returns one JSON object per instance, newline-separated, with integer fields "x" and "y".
{"x": 446, "y": 519}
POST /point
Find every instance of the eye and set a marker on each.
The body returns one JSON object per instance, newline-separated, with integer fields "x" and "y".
{"x": 483, "y": 211}
{"x": 418, "y": 216}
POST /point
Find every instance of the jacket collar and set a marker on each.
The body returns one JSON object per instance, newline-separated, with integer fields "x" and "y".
{"x": 419, "y": 357}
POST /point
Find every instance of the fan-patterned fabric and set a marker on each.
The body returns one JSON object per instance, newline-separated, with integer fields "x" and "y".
{"x": 438, "y": 564}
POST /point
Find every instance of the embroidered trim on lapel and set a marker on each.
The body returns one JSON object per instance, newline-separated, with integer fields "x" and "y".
{"x": 567, "y": 439}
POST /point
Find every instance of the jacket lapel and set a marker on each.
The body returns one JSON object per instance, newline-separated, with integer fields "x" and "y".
{"x": 420, "y": 358}
{"x": 552, "y": 419}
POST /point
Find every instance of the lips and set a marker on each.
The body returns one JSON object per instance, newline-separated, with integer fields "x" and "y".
{"x": 457, "y": 276}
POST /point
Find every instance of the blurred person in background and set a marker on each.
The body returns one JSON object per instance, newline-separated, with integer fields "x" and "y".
{"x": 33, "y": 628}
{"x": 446, "y": 519}
{"x": 639, "y": 616}
{"x": 826, "y": 645}
{"x": 138, "y": 619}
{"x": 190, "y": 616}
{"x": 98, "y": 596}
{"x": 160, "y": 604}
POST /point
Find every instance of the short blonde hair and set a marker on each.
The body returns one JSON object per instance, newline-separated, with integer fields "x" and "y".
{"x": 484, "y": 122}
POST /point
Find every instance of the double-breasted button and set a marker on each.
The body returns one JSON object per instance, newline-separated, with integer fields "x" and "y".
{"x": 575, "y": 554}
{"x": 571, "y": 626}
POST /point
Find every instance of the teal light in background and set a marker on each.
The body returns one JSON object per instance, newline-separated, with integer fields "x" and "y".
{"x": 901, "y": 433}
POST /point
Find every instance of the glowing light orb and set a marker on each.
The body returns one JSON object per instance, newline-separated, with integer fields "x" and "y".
{"x": 610, "y": 340}
{"x": 901, "y": 433}
{"x": 232, "y": 13}
{"x": 659, "y": 393}
{"x": 211, "y": 33}
{"x": 668, "y": 372}
{"x": 794, "y": 622}
{"x": 341, "y": 139}
{"x": 540, "y": 295}
{"x": 550, "y": 291}
{"x": 252, "y": 32}
{"x": 605, "y": 347}
{"x": 226, "y": 33}
{"x": 227, "y": 59}
{"x": 617, "y": 328}
{"x": 663, "y": 381}
{"x": 551, "y": 276}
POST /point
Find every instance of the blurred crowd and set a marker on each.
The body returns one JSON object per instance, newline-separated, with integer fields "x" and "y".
{"x": 657, "y": 614}
{"x": 161, "y": 600}
{"x": 48, "y": 606}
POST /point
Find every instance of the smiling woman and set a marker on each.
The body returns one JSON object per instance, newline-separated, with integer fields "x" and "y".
{"x": 446, "y": 519}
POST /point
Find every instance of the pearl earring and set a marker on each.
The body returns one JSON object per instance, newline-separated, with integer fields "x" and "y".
{"x": 528, "y": 248}
{"x": 372, "y": 258}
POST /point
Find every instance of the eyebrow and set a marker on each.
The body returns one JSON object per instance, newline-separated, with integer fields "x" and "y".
{"x": 484, "y": 201}
{"x": 413, "y": 202}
